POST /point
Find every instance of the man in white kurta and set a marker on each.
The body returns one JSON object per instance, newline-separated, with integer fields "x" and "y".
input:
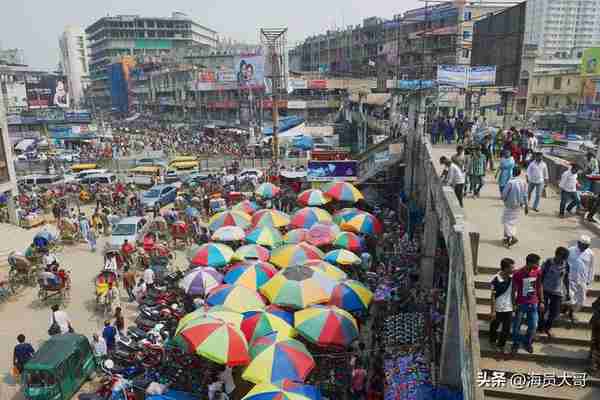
{"x": 581, "y": 273}
{"x": 514, "y": 197}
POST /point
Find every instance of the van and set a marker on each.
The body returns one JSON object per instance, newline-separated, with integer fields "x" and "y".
{"x": 40, "y": 180}
{"x": 78, "y": 177}
{"x": 144, "y": 175}
{"x": 104, "y": 179}
{"x": 59, "y": 368}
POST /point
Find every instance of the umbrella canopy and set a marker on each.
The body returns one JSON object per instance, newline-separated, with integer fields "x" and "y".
{"x": 343, "y": 191}
{"x": 271, "y": 218}
{"x": 191, "y": 252}
{"x": 309, "y": 391}
{"x": 295, "y": 254}
{"x": 296, "y": 236}
{"x": 43, "y": 238}
{"x": 200, "y": 281}
{"x": 260, "y": 323}
{"x": 265, "y": 236}
{"x": 262, "y": 342}
{"x": 281, "y": 313}
{"x": 236, "y": 298}
{"x": 308, "y": 216}
{"x": 283, "y": 359}
{"x": 343, "y": 215}
{"x": 342, "y": 257}
{"x": 212, "y": 255}
{"x": 363, "y": 223}
{"x": 351, "y": 296}
{"x": 217, "y": 341}
{"x": 251, "y": 276}
{"x": 298, "y": 287}
{"x": 313, "y": 197}
{"x": 229, "y": 218}
{"x": 271, "y": 391}
{"x": 329, "y": 270}
{"x": 229, "y": 234}
{"x": 246, "y": 206}
{"x": 323, "y": 234}
{"x": 349, "y": 241}
{"x": 217, "y": 312}
{"x": 326, "y": 326}
{"x": 267, "y": 190}
{"x": 252, "y": 252}
{"x": 192, "y": 212}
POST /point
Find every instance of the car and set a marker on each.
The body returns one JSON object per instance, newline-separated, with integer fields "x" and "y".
{"x": 149, "y": 162}
{"x": 195, "y": 178}
{"x": 99, "y": 178}
{"x": 131, "y": 228}
{"x": 80, "y": 176}
{"x": 250, "y": 173}
{"x": 161, "y": 194}
{"x": 68, "y": 157}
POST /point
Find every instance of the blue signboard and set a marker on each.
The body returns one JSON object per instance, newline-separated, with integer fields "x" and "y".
{"x": 78, "y": 116}
{"x": 319, "y": 171}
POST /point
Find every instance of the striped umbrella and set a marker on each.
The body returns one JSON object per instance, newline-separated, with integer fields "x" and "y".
{"x": 236, "y": 298}
{"x": 228, "y": 234}
{"x": 313, "y": 197}
{"x": 343, "y": 191}
{"x": 265, "y": 236}
{"x": 191, "y": 252}
{"x": 229, "y": 218}
{"x": 343, "y": 215}
{"x": 251, "y": 252}
{"x": 326, "y": 326}
{"x": 295, "y": 254}
{"x": 281, "y": 313}
{"x": 322, "y": 234}
{"x": 201, "y": 280}
{"x": 296, "y": 236}
{"x": 364, "y": 223}
{"x": 217, "y": 341}
{"x": 351, "y": 296}
{"x": 246, "y": 206}
{"x": 260, "y": 323}
{"x": 308, "y": 216}
{"x": 270, "y": 218}
{"x": 267, "y": 190}
{"x": 212, "y": 255}
{"x": 349, "y": 241}
{"x": 325, "y": 268}
{"x": 270, "y": 391}
{"x": 250, "y": 276}
{"x": 262, "y": 342}
{"x": 217, "y": 312}
{"x": 342, "y": 257}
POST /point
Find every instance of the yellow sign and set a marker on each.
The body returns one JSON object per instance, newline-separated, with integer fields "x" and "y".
{"x": 590, "y": 62}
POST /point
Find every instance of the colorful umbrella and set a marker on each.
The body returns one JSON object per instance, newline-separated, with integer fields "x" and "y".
{"x": 212, "y": 255}
{"x": 260, "y": 323}
{"x": 309, "y": 391}
{"x": 265, "y": 236}
{"x": 247, "y": 206}
{"x": 262, "y": 342}
{"x": 228, "y": 234}
{"x": 218, "y": 312}
{"x": 200, "y": 281}
{"x": 229, "y": 218}
{"x": 343, "y": 191}
{"x": 349, "y": 241}
{"x": 295, "y": 254}
{"x": 343, "y": 215}
{"x": 281, "y": 313}
{"x": 326, "y": 326}
{"x": 351, "y": 296}
{"x": 308, "y": 216}
{"x": 236, "y": 298}
{"x": 252, "y": 252}
{"x": 250, "y": 276}
{"x": 217, "y": 341}
{"x": 363, "y": 223}
{"x": 270, "y": 391}
{"x": 267, "y": 190}
{"x": 323, "y": 234}
{"x": 313, "y": 197}
{"x": 342, "y": 257}
{"x": 298, "y": 287}
{"x": 296, "y": 236}
{"x": 284, "y": 359}
{"x": 271, "y": 218}
{"x": 325, "y": 268}
{"x": 191, "y": 252}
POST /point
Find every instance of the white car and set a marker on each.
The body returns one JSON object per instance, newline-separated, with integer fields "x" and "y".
{"x": 69, "y": 157}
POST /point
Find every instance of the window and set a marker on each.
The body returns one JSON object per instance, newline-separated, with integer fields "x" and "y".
{"x": 467, "y": 16}
{"x": 557, "y": 82}
{"x": 466, "y": 53}
{"x": 466, "y": 35}
{"x": 547, "y": 101}
{"x": 534, "y": 100}
{"x": 537, "y": 82}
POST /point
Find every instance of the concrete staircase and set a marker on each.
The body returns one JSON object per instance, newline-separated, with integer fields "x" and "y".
{"x": 566, "y": 352}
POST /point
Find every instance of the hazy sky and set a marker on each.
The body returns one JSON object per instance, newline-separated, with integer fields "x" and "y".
{"x": 34, "y": 25}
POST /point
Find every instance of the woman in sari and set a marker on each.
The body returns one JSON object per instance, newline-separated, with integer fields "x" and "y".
{"x": 505, "y": 170}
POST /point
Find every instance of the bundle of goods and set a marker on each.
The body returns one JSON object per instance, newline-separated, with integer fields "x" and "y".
{"x": 403, "y": 329}
{"x": 405, "y": 375}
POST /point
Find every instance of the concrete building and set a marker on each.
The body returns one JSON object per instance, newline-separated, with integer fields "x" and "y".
{"x": 12, "y": 56}
{"x": 554, "y": 91}
{"x": 8, "y": 177}
{"x": 141, "y": 39}
{"x": 74, "y": 62}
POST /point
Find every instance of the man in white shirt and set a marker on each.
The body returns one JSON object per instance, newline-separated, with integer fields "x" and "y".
{"x": 568, "y": 190}
{"x": 455, "y": 178}
{"x": 149, "y": 277}
{"x": 537, "y": 177}
{"x": 501, "y": 302}
{"x": 61, "y": 318}
{"x": 581, "y": 273}
{"x": 99, "y": 345}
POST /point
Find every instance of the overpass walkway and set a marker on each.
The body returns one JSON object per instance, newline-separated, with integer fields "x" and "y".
{"x": 568, "y": 351}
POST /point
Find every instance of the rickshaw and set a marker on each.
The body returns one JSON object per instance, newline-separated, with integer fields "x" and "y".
{"x": 107, "y": 292}
{"x": 180, "y": 230}
{"x": 22, "y": 271}
{"x": 62, "y": 290}
{"x": 45, "y": 240}
{"x": 59, "y": 368}
{"x": 69, "y": 232}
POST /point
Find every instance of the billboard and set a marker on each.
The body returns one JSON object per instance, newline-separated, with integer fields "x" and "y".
{"x": 250, "y": 71}
{"x": 452, "y": 75}
{"x": 16, "y": 95}
{"x": 210, "y": 80}
{"x": 317, "y": 84}
{"x": 590, "y": 61}
{"x": 414, "y": 84}
{"x": 78, "y": 116}
{"x": 295, "y": 83}
{"x": 482, "y": 76}
{"x": 47, "y": 91}
{"x": 320, "y": 171}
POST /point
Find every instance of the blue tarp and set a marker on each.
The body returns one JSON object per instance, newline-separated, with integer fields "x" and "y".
{"x": 304, "y": 143}
{"x": 285, "y": 124}
{"x": 118, "y": 88}
{"x": 173, "y": 395}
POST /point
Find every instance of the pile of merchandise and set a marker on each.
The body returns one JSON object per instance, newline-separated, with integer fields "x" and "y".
{"x": 404, "y": 375}
{"x": 403, "y": 329}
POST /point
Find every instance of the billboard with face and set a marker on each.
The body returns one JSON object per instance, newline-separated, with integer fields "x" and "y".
{"x": 250, "y": 70}
{"x": 45, "y": 91}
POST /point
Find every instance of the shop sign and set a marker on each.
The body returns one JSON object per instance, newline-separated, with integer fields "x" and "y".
{"x": 317, "y": 84}
{"x": 296, "y": 105}
{"x": 332, "y": 171}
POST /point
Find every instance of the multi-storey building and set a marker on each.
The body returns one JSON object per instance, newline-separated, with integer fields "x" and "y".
{"x": 554, "y": 91}
{"x": 74, "y": 62}
{"x": 8, "y": 178}
{"x": 141, "y": 39}
{"x": 12, "y": 56}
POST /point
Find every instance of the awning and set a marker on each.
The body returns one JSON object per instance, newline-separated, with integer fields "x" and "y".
{"x": 24, "y": 144}
{"x": 374, "y": 99}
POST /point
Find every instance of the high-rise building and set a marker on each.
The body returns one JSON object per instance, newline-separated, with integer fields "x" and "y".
{"x": 128, "y": 39}
{"x": 12, "y": 56}
{"x": 8, "y": 178}
{"x": 562, "y": 29}
{"x": 74, "y": 62}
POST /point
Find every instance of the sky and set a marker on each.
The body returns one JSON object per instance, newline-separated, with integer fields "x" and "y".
{"x": 35, "y": 25}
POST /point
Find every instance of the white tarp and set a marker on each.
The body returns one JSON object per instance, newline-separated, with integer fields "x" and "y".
{"x": 24, "y": 144}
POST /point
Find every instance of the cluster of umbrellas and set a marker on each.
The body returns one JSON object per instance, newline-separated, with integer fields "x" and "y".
{"x": 277, "y": 292}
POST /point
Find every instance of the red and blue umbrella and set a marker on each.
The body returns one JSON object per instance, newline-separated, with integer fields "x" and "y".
{"x": 313, "y": 197}
{"x": 281, "y": 313}
{"x": 351, "y": 296}
{"x": 349, "y": 241}
{"x": 343, "y": 191}
{"x": 200, "y": 281}
{"x": 252, "y": 252}
{"x": 296, "y": 236}
{"x": 251, "y": 276}
{"x": 212, "y": 255}
{"x": 364, "y": 223}
{"x": 236, "y": 298}
{"x": 260, "y": 323}
{"x": 267, "y": 190}
{"x": 309, "y": 216}
{"x": 327, "y": 326}
{"x": 247, "y": 206}
{"x": 343, "y": 215}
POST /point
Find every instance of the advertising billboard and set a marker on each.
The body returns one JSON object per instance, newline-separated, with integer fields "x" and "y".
{"x": 16, "y": 95}
{"x": 295, "y": 83}
{"x": 321, "y": 171}
{"x": 482, "y": 76}
{"x": 250, "y": 71}
{"x": 47, "y": 91}
{"x": 317, "y": 84}
{"x": 78, "y": 116}
{"x": 453, "y": 75}
{"x": 590, "y": 61}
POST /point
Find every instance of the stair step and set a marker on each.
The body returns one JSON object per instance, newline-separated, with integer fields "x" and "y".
{"x": 583, "y": 318}
{"x": 482, "y": 281}
{"x": 577, "y": 337}
{"x": 483, "y": 296}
